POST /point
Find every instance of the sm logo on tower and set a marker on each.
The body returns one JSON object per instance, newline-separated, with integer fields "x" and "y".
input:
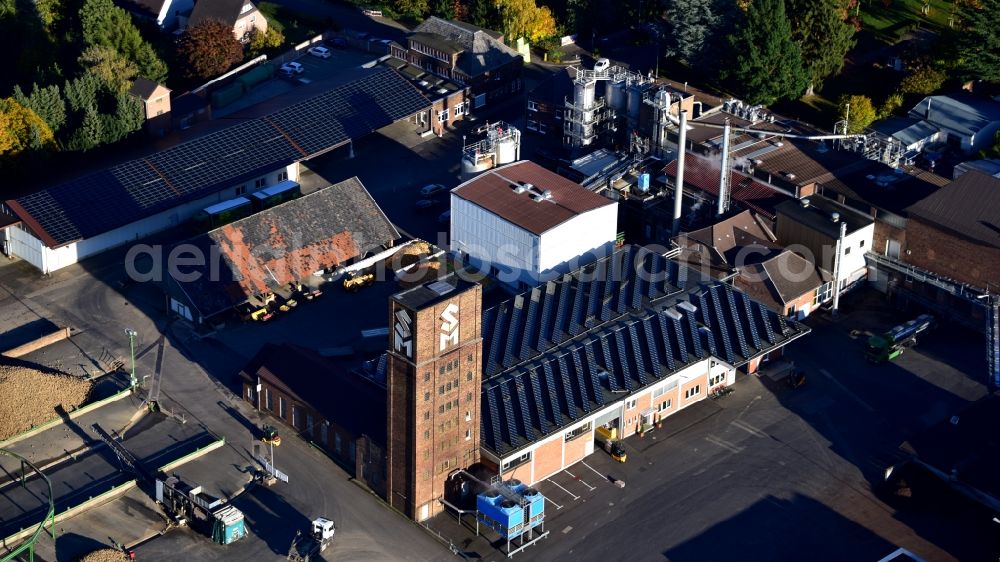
{"x": 449, "y": 326}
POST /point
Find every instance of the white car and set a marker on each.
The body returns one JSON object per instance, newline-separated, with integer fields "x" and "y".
{"x": 291, "y": 69}
{"x": 318, "y": 51}
{"x": 602, "y": 64}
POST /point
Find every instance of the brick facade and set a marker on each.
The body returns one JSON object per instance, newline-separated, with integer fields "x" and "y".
{"x": 434, "y": 385}
{"x": 950, "y": 254}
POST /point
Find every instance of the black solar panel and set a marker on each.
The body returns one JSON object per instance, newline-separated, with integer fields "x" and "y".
{"x": 637, "y": 355}
{"x": 692, "y": 326}
{"x": 721, "y": 326}
{"x": 762, "y": 315}
{"x": 513, "y": 331}
{"x": 560, "y": 322}
{"x": 563, "y": 375}
{"x": 544, "y": 415}
{"x": 499, "y": 328}
{"x": 575, "y": 321}
{"x": 548, "y": 310}
{"x": 494, "y": 432}
{"x": 137, "y": 189}
{"x": 652, "y": 349}
{"x": 734, "y": 319}
{"x": 744, "y": 302}
{"x": 511, "y": 426}
{"x": 628, "y": 377}
{"x": 529, "y": 339}
{"x": 580, "y": 377}
{"x": 524, "y": 413}
{"x": 552, "y": 393}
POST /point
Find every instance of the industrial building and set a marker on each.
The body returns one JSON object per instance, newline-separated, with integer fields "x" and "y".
{"x": 473, "y": 56}
{"x": 325, "y": 229}
{"x": 61, "y": 225}
{"x": 518, "y": 389}
{"x": 743, "y": 248}
{"x": 524, "y": 224}
{"x": 828, "y": 234}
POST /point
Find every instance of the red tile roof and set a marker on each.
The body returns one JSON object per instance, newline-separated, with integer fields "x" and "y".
{"x": 492, "y": 191}
{"x": 704, "y": 174}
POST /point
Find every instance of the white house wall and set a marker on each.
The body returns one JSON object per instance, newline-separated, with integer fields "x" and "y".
{"x": 26, "y": 247}
{"x": 596, "y": 229}
{"x": 853, "y": 265}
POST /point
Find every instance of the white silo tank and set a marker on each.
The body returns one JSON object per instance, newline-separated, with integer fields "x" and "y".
{"x": 472, "y": 166}
{"x": 506, "y": 151}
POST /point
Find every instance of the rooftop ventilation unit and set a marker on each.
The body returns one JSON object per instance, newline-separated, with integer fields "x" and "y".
{"x": 805, "y": 203}
{"x": 518, "y": 188}
{"x": 685, "y": 305}
{"x": 790, "y": 176}
{"x": 835, "y": 216}
{"x": 673, "y": 314}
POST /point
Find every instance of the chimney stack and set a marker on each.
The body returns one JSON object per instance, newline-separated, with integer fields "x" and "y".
{"x": 679, "y": 181}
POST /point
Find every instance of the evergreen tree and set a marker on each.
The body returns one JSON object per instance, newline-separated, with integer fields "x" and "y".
{"x": 81, "y": 92}
{"x": 48, "y": 104}
{"x": 689, "y": 24}
{"x": 107, "y": 25}
{"x": 979, "y": 44}
{"x": 767, "y": 63}
{"x": 820, "y": 29}
{"x": 443, "y": 9}
{"x": 90, "y": 133}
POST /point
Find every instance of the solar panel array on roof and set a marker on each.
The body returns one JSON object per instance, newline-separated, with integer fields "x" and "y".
{"x": 540, "y": 378}
{"x": 140, "y": 188}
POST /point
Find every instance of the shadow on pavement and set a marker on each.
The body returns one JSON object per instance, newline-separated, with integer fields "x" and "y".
{"x": 271, "y": 518}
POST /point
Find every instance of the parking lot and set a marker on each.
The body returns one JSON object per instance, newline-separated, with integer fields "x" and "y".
{"x": 775, "y": 473}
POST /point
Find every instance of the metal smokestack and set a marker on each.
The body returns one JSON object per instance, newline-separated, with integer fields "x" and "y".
{"x": 679, "y": 182}
{"x": 724, "y": 172}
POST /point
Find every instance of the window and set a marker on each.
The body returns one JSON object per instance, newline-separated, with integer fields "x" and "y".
{"x": 468, "y": 415}
{"x": 448, "y": 406}
{"x": 716, "y": 379}
{"x": 159, "y": 112}
{"x": 847, "y": 250}
{"x": 283, "y": 175}
{"x": 629, "y": 404}
{"x": 468, "y": 397}
{"x": 427, "y": 434}
{"x": 516, "y": 461}
{"x": 468, "y": 434}
{"x": 692, "y": 391}
{"x": 336, "y": 442}
{"x": 427, "y": 396}
{"x": 427, "y": 415}
{"x": 241, "y": 189}
{"x": 575, "y": 433}
{"x": 259, "y": 183}
{"x": 862, "y": 245}
{"x": 441, "y": 409}
{"x": 532, "y": 125}
{"x": 469, "y": 359}
{"x": 269, "y": 399}
{"x": 281, "y": 407}
{"x": 441, "y": 389}
{"x": 443, "y": 115}
{"x": 295, "y": 416}
{"x": 468, "y": 376}
{"x": 427, "y": 377}
{"x": 659, "y": 391}
{"x": 441, "y": 370}
{"x": 665, "y": 405}
{"x": 543, "y": 128}
{"x": 532, "y": 106}
{"x": 250, "y": 394}
{"x": 459, "y": 109}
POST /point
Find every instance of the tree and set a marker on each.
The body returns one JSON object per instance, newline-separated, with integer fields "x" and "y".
{"x": 270, "y": 40}
{"x": 768, "y": 63}
{"x": 128, "y": 117}
{"x": 109, "y": 67}
{"x": 689, "y": 25}
{"x": 890, "y": 105}
{"x": 21, "y": 129}
{"x": 81, "y": 92}
{"x": 46, "y": 102}
{"x": 862, "y": 114}
{"x": 107, "y": 25}
{"x": 923, "y": 80}
{"x": 820, "y": 29}
{"x": 979, "y": 44}
{"x": 412, "y": 9}
{"x": 523, "y": 18}
{"x": 443, "y": 9}
{"x": 483, "y": 13}
{"x": 209, "y": 49}
{"x": 89, "y": 134}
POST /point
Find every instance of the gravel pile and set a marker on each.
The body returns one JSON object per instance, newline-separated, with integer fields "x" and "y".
{"x": 29, "y": 397}
{"x": 105, "y": 555}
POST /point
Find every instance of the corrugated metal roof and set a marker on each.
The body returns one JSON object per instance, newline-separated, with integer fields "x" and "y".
{"x": 969, "y": 206}
{"x": 493, "y": 191}
{"x": 704, "y": 174}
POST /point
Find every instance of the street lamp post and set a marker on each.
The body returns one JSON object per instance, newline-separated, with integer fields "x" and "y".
{"x": 131, "y": 344}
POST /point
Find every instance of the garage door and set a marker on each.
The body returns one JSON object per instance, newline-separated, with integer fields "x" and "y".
{"x": 26, "y": 247}
{"x": 607, "y": 418}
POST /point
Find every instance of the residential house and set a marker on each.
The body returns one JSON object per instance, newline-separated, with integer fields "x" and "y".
{"x": 155, "y": 100}
{"x": 471, "y": 55}
{"x": 241, "y": 15}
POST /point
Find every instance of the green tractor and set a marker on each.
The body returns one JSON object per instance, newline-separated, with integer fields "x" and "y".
{"x": 891, "y": 344}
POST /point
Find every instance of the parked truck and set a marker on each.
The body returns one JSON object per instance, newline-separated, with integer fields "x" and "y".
{"x": 305, "y": 546}
{"x": 891, "y": 344}
{"x": 607, "y": 438}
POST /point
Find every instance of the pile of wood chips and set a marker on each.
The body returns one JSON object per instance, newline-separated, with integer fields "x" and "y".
{"x": 29, "y": 397}
{"x": 105, "y": 555}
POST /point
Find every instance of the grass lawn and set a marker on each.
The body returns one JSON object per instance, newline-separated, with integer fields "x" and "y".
{"x": 890, "y": 23}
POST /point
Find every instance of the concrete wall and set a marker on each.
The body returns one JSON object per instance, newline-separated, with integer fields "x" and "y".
{"x": 489, "y": 240}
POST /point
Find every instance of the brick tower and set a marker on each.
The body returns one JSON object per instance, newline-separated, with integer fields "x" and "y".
{"x": 434, "y": 383}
